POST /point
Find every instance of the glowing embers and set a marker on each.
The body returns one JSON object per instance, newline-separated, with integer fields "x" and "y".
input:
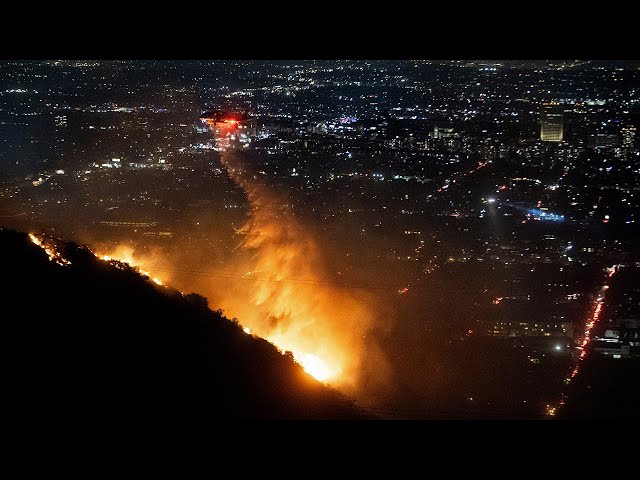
{"x": 50, "y": 250}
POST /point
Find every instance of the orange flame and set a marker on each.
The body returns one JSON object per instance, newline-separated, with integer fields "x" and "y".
{"x": 287, "y": 297}
{"x": 142, "y": 262}
{"x": 291, "y": 303}
{"x": 50, "y": 250}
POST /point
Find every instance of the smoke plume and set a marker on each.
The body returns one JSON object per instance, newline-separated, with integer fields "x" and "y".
{"x": 291, "y": 300}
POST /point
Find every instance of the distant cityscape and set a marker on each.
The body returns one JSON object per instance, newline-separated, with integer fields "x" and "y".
{"x": 483, "y": 203}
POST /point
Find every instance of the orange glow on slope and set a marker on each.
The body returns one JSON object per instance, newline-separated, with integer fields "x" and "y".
{"x": 296, "y": 318}
{"x": 307, "y": 343}
{"x": 287, "y": 296}
{"x": 50, "y": 250}
{"x": 125, "y": 254}
{"x": 316, "y": 367}
{"x": 290, "y": 300}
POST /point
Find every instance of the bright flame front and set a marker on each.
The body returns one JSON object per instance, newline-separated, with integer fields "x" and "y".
{"x": 50, "y": 249}
{"x": 289, "y": 298}
{"x": 125, "y": 254}
{"x": 323, "y": 367}
{"x": 315, "y": 366}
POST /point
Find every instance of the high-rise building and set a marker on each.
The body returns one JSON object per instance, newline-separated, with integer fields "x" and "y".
{"x": 60, "y": 120}
{"x": 628, "y": 136}
{"x": 441, "y": 132}
{"x": 551, "y": 123}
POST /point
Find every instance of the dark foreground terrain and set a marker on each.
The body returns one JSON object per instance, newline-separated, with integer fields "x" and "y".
{"x": 607, "y": 389}
{"x": 96, "y": 341}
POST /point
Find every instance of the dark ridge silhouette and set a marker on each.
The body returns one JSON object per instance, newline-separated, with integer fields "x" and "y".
{"x": 97, "y": 341}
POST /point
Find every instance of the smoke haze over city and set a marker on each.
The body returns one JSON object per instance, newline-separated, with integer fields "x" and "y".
{"x": 434, "y": 239}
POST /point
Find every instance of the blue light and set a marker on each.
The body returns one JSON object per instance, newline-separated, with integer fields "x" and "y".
{"x": 553, "y": 217}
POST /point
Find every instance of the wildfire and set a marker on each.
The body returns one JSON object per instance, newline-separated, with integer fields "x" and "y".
{"x": 315, "y": 367}
{"x": 303, "y": 341}
{"x": 285, "y": 296}
{"x": 125, "y": 254}
{"x": 289, "y": 301}
{"x": 321, "y": 326}
{"x": 50, "y": 250}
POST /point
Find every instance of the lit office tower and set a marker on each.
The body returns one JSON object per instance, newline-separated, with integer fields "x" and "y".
{"x": 628, "y": 136}
{"x": 551, "y": 123}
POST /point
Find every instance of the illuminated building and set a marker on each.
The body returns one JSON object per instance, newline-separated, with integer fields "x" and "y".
{"x": 518, "y": 329}
{"x": 201, "y": 126}
{"x": 551, "y": 123}
{"x": 621, "y": 342}
{"x": 628, "y": 136}
{"x": 602, "y": 140}
{"x": 60, "y": 120}
{"x": 441, "y": 132}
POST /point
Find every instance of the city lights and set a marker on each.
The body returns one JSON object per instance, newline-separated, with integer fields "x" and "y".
{"x": 422, "y": 236}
